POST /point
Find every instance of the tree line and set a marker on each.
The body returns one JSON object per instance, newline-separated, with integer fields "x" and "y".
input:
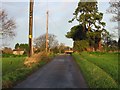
{"x": 53, "y": 44}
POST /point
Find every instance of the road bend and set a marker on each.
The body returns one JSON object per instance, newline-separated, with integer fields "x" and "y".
{"x": 61, "y": 72}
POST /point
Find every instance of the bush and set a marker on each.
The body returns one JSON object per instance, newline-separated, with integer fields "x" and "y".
{"x": 81, "y": 45}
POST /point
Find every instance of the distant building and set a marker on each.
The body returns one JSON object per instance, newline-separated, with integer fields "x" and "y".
{"x": 7, "y": 50}
{"x": 18, "y": 52}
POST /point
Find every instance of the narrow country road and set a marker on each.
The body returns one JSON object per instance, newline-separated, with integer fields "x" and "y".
{"x": 61, "y": 72}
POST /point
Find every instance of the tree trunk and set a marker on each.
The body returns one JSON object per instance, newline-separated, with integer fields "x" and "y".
{"x": 99, "y": 45}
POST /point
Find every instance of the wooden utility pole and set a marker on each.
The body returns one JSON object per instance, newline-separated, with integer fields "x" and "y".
{"x": 30, "y": 27}
{"x": 47, "y": 31}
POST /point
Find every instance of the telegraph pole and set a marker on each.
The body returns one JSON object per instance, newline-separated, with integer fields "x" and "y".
{"x": 47, "y": 31}
{"x": 30, "y": 27}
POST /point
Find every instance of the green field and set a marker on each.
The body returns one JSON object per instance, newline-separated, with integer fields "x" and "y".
{"x": 100, "y": 70}
{"x": 13, "y": 70}
{"x": 12, "y": 64}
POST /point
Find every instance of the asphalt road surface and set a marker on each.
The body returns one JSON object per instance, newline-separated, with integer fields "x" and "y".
{"x": 61, "y": 72}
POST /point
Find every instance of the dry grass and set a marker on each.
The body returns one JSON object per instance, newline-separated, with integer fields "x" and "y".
{"x": 34, "y": 59}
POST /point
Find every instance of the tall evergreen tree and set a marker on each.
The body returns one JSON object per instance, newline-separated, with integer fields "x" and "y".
{"x": 87, "y": 14}
{"x": 90, "y": 19}
{"x": 17, "y": 46}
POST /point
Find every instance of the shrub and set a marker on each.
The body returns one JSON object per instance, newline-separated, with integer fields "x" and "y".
{"x": 81, "y": 45}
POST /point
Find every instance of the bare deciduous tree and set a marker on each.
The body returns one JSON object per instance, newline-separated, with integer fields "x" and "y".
{"x": 40, "y": 41}
{"x": 61, "y": 48}
{"x": 115, "y": 9}
{"x": 7, "y": 25}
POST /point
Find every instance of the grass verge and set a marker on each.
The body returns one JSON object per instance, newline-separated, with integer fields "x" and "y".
{"x": 106, "y": 61}
{"x": 94, "y": 76}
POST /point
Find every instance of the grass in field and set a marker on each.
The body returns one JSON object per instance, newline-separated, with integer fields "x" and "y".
{"x": 94, "y": 75}
{"x": 106, "y": 61}
{"x": 11, "y": 64}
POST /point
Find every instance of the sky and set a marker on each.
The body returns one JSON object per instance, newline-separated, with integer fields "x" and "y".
{"x": 60, "y": 12}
